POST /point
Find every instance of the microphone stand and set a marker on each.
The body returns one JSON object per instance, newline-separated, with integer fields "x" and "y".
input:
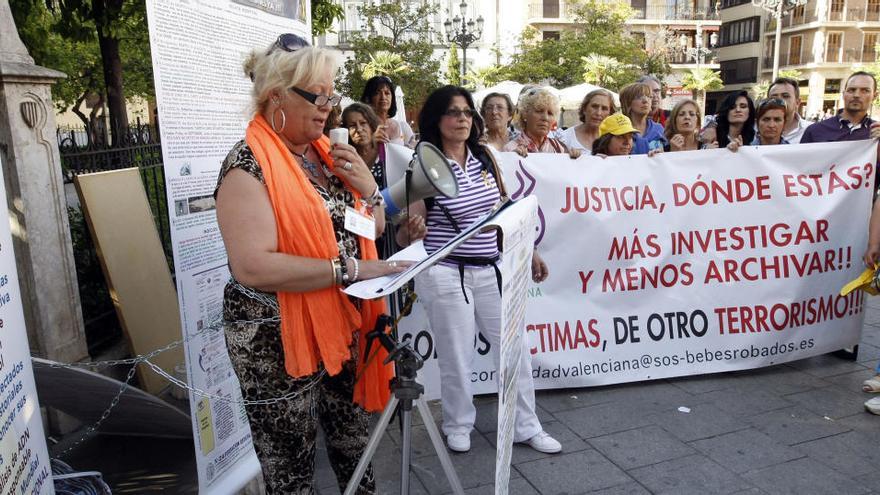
{"x": 406, "y": 392}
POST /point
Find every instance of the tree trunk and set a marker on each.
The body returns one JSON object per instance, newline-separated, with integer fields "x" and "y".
{"x": 106, "y": 12}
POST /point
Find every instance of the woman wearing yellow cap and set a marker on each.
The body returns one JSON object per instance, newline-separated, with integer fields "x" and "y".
{"x": 616, "y": 137}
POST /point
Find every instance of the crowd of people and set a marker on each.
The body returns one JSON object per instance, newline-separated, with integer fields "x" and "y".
{"x": 286, "y": 202}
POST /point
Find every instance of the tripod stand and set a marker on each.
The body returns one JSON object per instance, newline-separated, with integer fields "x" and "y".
{"x": 406, "y": 392}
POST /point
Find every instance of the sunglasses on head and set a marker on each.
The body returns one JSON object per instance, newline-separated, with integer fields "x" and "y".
{"x": 316, "y": 99}
{"x": 771, "y": 101}
{"x": 289, "y": 42}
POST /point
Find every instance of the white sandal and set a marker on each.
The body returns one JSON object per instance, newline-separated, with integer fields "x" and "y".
{"x": 872, "y": 385}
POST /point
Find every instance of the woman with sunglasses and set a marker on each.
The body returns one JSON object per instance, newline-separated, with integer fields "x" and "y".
{"x": 283, "y": 196}
{"x": 461, "y": 294}
{"x": 379, "y": 94}
{"x": 537, "y": 116}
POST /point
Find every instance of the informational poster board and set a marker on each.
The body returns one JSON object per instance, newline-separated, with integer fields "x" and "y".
{"x": 24, "y": 458}
{"x": 518, "y": 227}
{"x": 685, "y": 263}
{"x": 203, "y": 96}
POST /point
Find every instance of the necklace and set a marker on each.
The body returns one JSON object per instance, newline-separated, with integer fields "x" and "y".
{"x": 307, "y": 164}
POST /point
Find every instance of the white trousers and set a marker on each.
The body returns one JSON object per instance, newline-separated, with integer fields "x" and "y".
{"x": 454, "y": 324}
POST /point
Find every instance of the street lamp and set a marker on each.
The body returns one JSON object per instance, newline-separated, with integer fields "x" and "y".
{"x": 698, "y": 52}
{"x": 777, "y": 9}
{"x": 463, "y": 32}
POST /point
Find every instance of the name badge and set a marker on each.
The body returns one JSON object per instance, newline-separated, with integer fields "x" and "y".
{"x": 359, "y": 223}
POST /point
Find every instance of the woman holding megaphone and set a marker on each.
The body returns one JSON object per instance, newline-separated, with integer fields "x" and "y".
{"x": 461, "y": 294}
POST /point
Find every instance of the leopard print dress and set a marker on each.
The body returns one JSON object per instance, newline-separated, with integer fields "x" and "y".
{"x": 284, "y": 432}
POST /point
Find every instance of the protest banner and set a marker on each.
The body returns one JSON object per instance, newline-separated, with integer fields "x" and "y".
{"x": 686, "y": 263}
{"x": 24, "y": 458}
{"x": 202, "y": 95}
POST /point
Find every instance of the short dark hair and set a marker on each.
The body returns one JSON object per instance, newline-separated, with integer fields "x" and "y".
{"x": 861, "y": 73}
{"x": 434, "y": 108}
{"x": 374, "y": 84}
{"x": 507, "y": 100}
{"x": 794, "y": 83}
{"x": 600, "y": 145}
{"x": 771, "y": 104}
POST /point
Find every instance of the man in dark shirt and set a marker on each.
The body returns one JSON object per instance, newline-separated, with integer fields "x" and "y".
{"x": 852, "y": 122}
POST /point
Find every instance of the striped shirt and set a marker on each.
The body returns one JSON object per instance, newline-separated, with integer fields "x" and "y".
{"x": 478, "y": 193}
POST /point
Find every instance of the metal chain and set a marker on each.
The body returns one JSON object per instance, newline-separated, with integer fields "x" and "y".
{"x": 218, "y": 324}
{"x": 94, "y": 427}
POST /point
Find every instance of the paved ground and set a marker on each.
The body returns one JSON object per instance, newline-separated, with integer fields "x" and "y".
{"x": 799, "y": 428}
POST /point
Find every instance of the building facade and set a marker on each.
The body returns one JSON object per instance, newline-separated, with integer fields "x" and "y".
{"x": 824, "y": 40}
{"x": 675, "y": 27}
{"x": 686, "y": 31}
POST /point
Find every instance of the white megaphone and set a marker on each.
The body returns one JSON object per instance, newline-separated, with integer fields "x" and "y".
{"x": 427, "y": 175}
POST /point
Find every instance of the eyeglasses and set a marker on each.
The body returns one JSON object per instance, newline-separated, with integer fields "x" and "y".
{"x": 316, "y": 99}
{"x": 458, "y": 113}
{"x": 495, "y": 108}
{"x": 289, "y": 42}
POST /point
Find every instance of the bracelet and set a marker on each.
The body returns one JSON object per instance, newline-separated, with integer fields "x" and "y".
{"x": 375, "y": 199}
{"x": 343, "y": 268}
{"x": 337, "y": 271}
{"x": 357, "y": 269}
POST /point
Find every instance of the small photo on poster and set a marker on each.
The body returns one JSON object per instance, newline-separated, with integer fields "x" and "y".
{"x": 292, "y": 9}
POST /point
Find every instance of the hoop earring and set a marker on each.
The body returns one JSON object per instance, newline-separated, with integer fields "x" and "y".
{"x": 283, "y": 121}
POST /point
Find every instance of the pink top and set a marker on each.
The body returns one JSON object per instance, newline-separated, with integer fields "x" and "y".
{"x": 549, "y": 145}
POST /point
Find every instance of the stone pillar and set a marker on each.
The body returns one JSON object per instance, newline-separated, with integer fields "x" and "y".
{"x": 37, "y": 209}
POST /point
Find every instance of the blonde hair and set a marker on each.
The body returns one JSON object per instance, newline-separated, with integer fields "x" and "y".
{"x": 278, "y": 69}
{"x": 628, "y": 95}
{"x": 533, "y": 98}
{"x": 671, "y": 129}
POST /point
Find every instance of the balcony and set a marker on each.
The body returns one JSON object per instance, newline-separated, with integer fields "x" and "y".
{"x": 848, "y": 56}
{"x": 539, "y": 11}
{"x": 346, "y": 36}
{"x": 672, "y": 14}
{"x": 870, "y": 14}
{"x": 679, "y": 58}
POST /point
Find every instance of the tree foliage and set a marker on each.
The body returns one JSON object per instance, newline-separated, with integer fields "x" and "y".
{"x": 324, "y": 14}
{"x": 600, "y": 29}
{"x": 102, "y": 45}
{"x": 453, "y": 66}
{"x": 398, "y": 27}
{"x": 604, "y": 71}
{"x": 701, "y": 80}
{"x": 485, "y": 76}
{"x": 759, "y": 90}
{"x": 384, "y": 63}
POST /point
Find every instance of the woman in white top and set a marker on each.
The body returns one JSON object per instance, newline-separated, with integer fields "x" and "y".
{"x": 597, "y": 105}
{"x": 379, "y": 94}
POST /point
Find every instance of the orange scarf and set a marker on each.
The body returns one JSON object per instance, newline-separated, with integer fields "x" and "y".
{"x": 316, "y": 326}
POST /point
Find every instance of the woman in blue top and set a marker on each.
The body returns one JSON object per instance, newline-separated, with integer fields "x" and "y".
{"x": 635, "y": 103}
{"x": 461, "y": 294}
